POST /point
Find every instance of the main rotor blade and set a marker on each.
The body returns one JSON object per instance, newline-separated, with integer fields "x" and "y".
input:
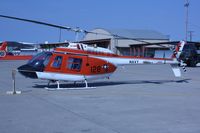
{"x": 37, "y": 22}
{"x": 80, "y": 30}
{"x": 117, "y": 36}
{"x": 146, "y": 43}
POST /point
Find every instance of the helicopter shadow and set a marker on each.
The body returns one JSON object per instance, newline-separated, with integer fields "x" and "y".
{"x": 110, "y": 83}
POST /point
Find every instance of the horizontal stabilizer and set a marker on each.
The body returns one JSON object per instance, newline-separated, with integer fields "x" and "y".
{"x": 176, "y": 70}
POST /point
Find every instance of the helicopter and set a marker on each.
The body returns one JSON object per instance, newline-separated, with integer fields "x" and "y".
{"x": 80, "y": 62}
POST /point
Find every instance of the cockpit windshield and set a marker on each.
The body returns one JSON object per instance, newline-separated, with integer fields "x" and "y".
{"x": 40, "y": 60}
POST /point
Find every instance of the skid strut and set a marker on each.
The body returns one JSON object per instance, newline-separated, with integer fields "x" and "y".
{"x": 58, "y": 84}
{"x": 86, "y": 84}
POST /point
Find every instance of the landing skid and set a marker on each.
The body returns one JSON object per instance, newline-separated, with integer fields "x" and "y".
{"x": 75, "y": 88}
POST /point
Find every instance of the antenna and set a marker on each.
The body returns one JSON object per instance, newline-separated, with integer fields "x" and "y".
{"x": 186, "y": 18}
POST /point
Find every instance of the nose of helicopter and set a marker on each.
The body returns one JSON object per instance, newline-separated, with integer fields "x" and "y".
{"x": 27, "y": 71}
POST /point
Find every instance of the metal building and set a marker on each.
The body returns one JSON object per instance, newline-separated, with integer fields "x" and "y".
{"x": 125, "y": 41}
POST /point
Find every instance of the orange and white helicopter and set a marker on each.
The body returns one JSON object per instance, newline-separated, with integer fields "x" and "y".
{"x": 80, "y": 62}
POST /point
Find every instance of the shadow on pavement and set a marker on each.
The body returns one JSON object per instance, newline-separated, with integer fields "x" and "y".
{"x": 110, "y": 83}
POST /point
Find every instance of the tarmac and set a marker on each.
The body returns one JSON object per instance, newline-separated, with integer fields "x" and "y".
{"x": 136, "y": 99}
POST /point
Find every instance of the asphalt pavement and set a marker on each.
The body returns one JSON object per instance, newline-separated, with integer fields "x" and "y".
{"x": 136, "y": 99}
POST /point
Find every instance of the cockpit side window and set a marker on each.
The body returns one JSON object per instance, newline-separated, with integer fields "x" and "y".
{"x": 74, "y": 64}
{"x": 46, "y": 61}
{"x": 40, "y": 59}
{"x": 57, "y": 62}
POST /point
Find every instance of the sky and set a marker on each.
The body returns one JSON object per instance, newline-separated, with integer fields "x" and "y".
{"x": 165, "y": 16}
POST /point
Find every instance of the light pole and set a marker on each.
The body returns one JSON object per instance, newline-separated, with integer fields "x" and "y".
{"x": 186, "y": 19}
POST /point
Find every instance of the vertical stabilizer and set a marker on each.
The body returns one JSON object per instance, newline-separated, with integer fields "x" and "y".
{"x": 178, "y": 49}
{"x": 3, "y": 46}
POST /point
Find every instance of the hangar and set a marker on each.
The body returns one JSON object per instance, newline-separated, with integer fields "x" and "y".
{"x": 126, "y": 41}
